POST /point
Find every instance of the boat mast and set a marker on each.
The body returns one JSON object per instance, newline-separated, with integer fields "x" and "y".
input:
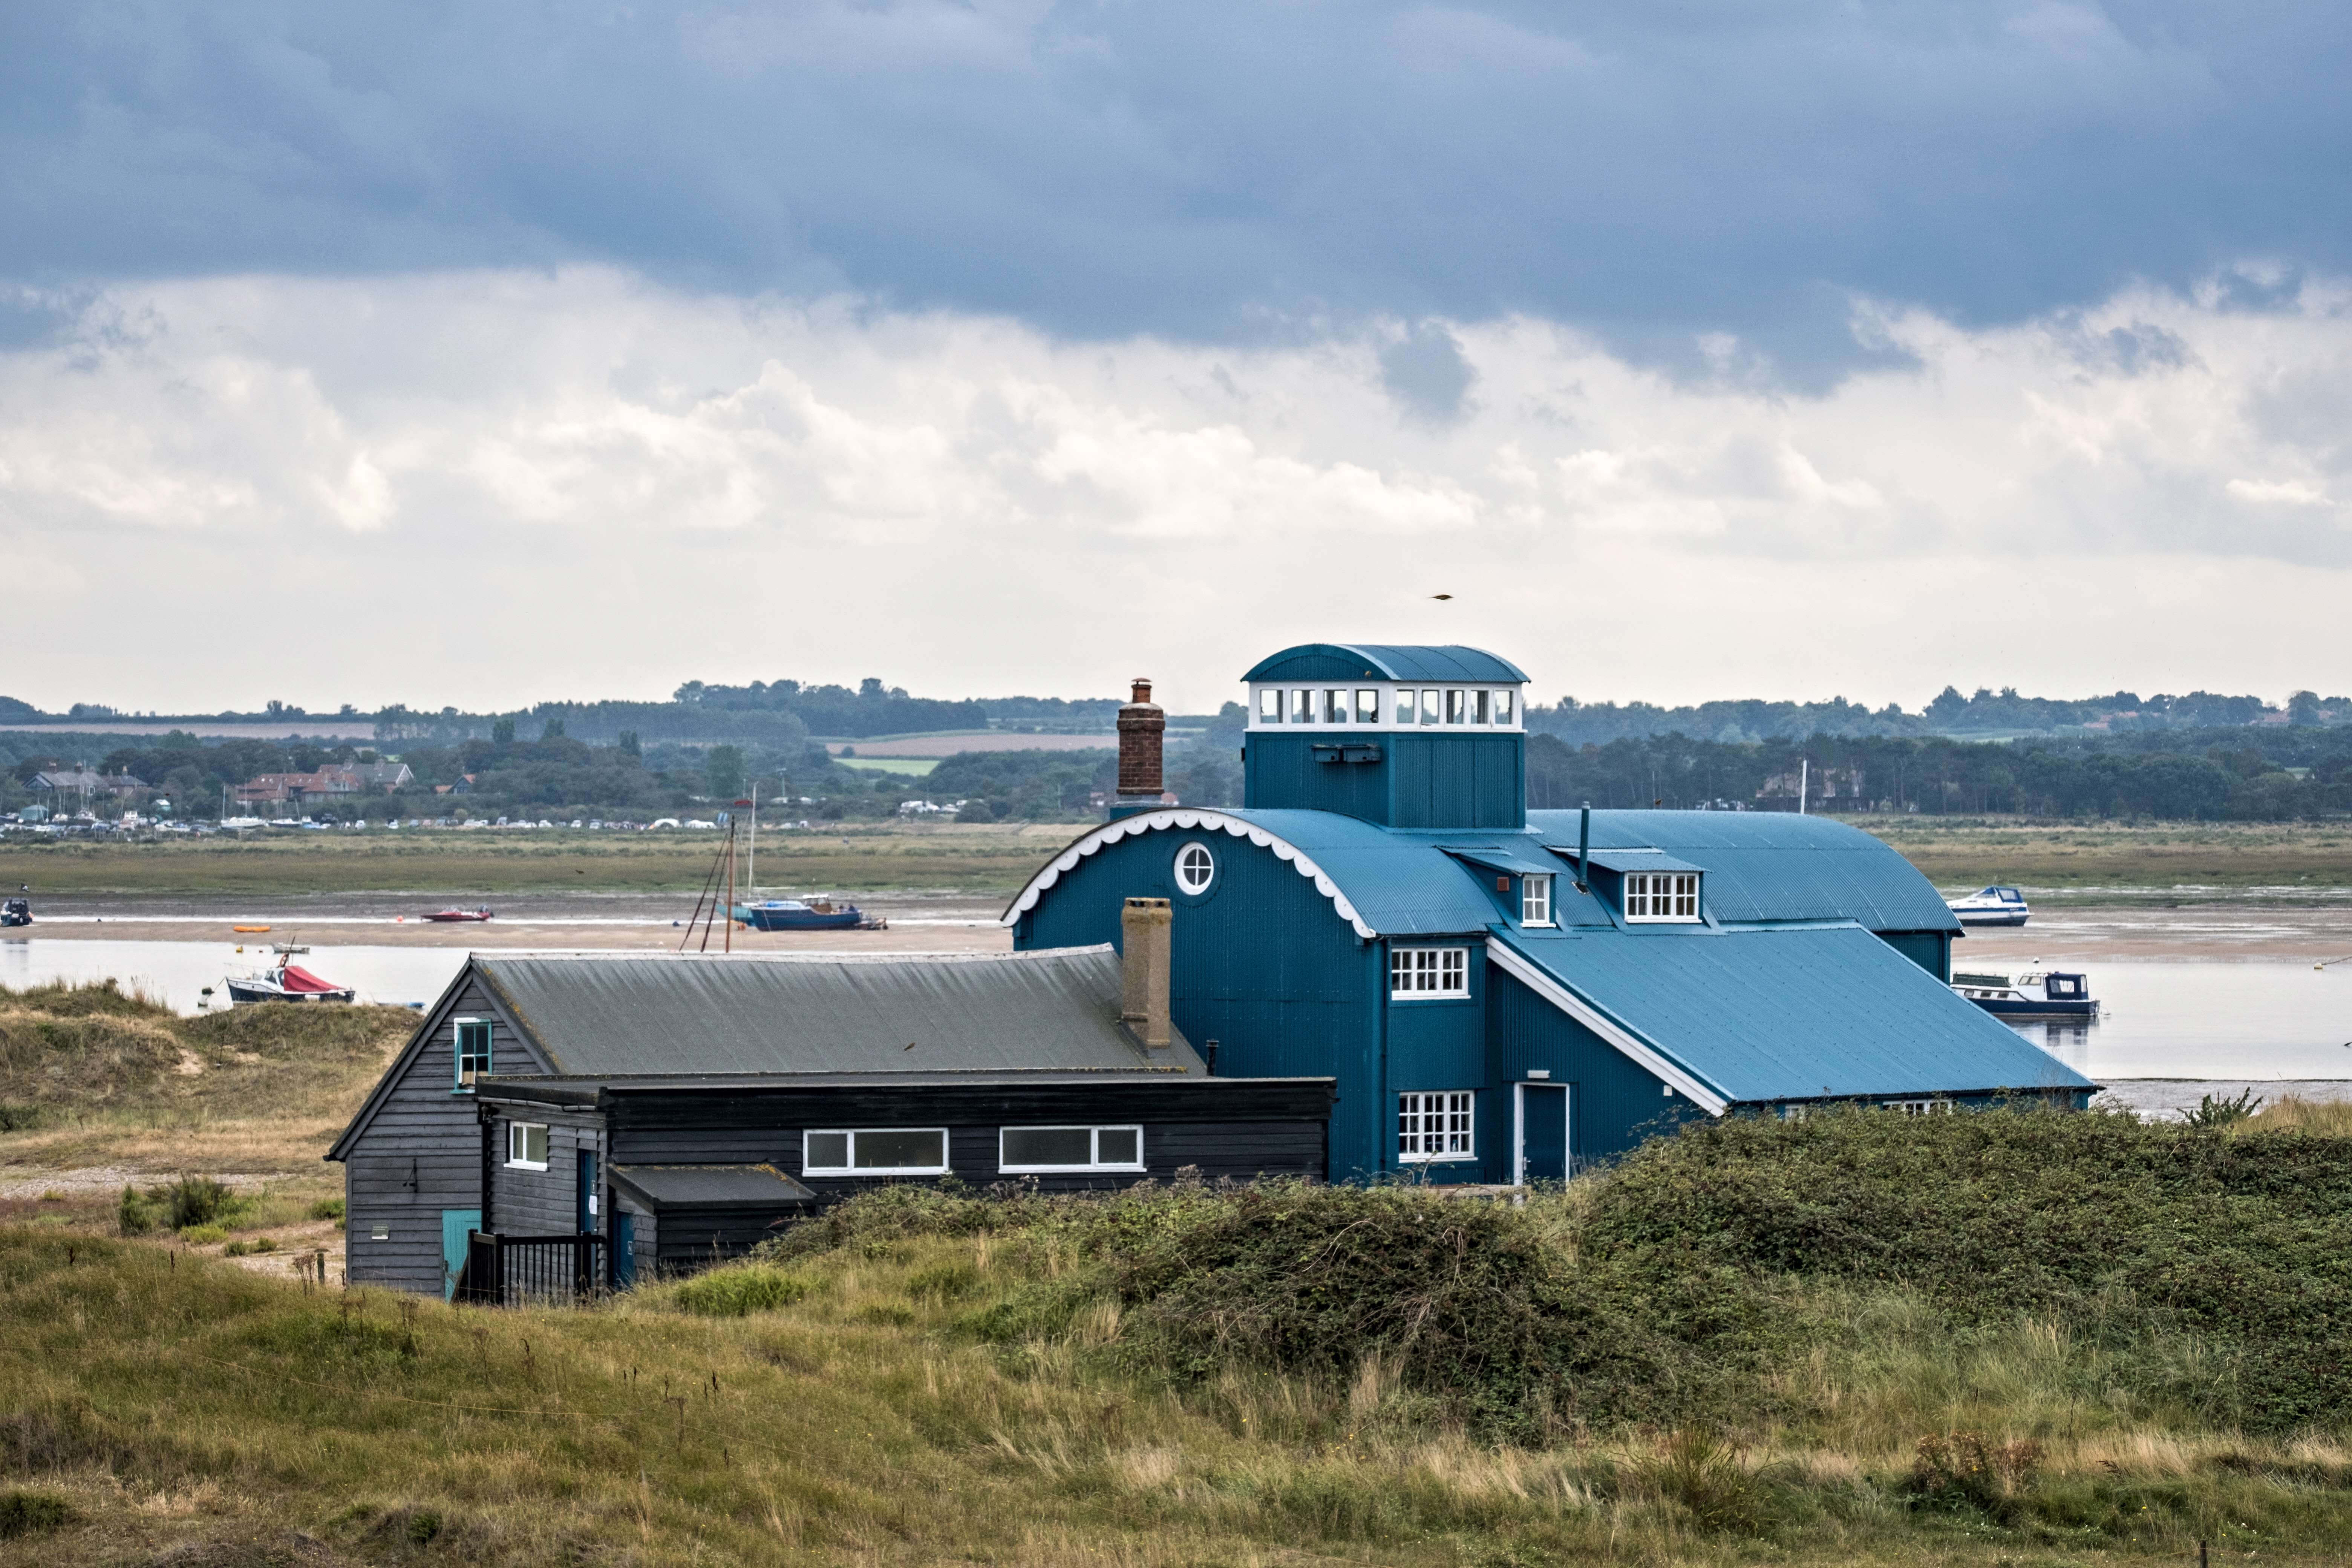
{"x": 751, "y": 872}
{"x": 729, "y": 944}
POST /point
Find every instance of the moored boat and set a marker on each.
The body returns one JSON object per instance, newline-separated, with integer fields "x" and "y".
{"x": 286, "y": 981}
{"x": 795, "y": 914}
{"x": 16, "y": 912}
{"x": 2040, "y": 994}
{"x": 453, "y": 917}
{"x": 1991, "y": 907}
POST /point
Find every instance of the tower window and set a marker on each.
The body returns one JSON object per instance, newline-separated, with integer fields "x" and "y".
{"x": 1334, "y": 707}
{"x": 1302, "y": 707}
{"x": 1269, "y": 705}
{"x": 1502, "y": 708}
{"x": 1481, "y": 705}
{"x": 1367, "y": 705}
{"x": 1429, "y": 707}
{"x": 1456, "y": 707}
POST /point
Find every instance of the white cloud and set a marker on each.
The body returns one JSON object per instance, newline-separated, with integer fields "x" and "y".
{"x": 500, "y": 487}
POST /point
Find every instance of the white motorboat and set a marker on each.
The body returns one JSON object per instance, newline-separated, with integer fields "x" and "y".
{"x": 1991, "y": 907}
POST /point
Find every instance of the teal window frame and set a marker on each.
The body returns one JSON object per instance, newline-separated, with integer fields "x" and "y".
{"x": 461, "y": 1043}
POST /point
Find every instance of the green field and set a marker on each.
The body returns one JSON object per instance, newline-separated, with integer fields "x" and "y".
{"x": 2091, "y": 864}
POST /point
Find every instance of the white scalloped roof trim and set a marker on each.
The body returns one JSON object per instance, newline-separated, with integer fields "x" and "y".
{"x": 1189, "y": 822}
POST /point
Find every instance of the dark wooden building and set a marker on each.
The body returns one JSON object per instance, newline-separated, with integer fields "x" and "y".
{"x": 675, "y": 1109}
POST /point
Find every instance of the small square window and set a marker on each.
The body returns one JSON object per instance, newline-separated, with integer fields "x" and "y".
{"x": 527, "y": 1145}
{"x": 1535, "y": 901}
{"x": 1420, "y": 973}
{"x": 1367, "y": 705}
{"x": 1435, "y": 1126}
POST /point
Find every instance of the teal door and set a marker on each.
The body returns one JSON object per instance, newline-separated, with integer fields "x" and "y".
{"x": 624, "y": 1249}
{"x": 1543, "y": 1132}
{"x": 457, "y": 1224}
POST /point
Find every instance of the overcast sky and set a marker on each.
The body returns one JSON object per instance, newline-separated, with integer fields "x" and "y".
{"x": 485, "y": 353}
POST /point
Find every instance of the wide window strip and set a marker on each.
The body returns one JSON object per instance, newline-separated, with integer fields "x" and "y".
{"x": 874, "y": 1151}
{"x": 1435, "y": 1126}
{"x": 1027, "y": 1149}
{"x": 1428, "y": 972}
{"x": 527, "y": 1145}
{"x": 1662, "y": 896}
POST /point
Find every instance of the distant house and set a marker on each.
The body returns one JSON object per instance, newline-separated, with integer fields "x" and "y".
{"x": 83, "y": 782}
{"x": 384, "y": 777}
{"x": 662, "y": 1111}
{"x": 293, "y": 789}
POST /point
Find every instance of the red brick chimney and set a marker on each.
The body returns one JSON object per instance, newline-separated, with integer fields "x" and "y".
{"x": 1140, "y": 724}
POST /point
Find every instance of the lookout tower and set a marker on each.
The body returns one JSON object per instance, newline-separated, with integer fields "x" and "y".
{"x": 1410, "y": 737}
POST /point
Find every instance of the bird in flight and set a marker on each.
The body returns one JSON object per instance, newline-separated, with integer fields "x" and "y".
{"x": 1441, "y": 595}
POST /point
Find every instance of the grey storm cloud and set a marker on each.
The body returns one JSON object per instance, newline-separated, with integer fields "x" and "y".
{"x": 1207, "y": 171}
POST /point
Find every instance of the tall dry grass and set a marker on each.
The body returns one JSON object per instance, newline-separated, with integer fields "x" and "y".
{"x": 2294, "y": 1113}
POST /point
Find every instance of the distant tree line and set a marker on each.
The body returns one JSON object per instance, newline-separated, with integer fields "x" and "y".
{"x": 1951, "y": 714}
{"x": 2235, "y": 774}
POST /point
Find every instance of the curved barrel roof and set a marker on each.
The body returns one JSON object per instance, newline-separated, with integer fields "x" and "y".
{"x": 1384, "y": 661}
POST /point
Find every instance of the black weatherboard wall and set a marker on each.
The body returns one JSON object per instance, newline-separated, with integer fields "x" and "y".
{"x": 1238, "y": 1128}
{"x": 413, "y": 1156}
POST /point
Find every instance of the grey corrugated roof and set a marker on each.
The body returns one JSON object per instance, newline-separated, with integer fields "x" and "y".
{"x": 622, "y": 1015}
{"x": 712, "y": 1186}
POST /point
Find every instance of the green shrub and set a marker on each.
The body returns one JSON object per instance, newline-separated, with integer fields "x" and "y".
{"x": 2214, "y": 1112}
{"x": 1699, "y": 1470}
{"x": 242, "y": 1247}
{"x": 740, "y": 1291}
{"x": 28, "y": 1513}
{"x": 18, "y": 1118}
{"x": 134, "y": 1216}
{"x": 193, "y": 1201}
{"x": 327, "y": 1208}
{"x": 204, "y": 1235}
{"x": 423, "y": 1526}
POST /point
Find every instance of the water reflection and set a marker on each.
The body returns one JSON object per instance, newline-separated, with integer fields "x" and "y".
{"x": 2195, "y": 1020}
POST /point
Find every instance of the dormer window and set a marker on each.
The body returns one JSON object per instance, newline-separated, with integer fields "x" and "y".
{"x": 1535, "y": 901}
{"x": 1661, "y": 895}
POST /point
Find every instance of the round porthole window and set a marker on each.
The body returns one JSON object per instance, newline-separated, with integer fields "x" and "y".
{"x": 1195, "y": 868}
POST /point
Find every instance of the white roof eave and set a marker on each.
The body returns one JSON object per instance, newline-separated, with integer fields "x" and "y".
{"x": 1190, "y": 821}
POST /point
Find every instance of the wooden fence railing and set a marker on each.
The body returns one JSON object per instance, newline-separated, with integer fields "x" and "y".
{"x": 509, "y": 1270}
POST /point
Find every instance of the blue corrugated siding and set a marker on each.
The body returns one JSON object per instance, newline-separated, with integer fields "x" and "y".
{"x": 1261, "y": 964}
{"x": 1614, "y": 1104}
{"x": 1443, "y": 781}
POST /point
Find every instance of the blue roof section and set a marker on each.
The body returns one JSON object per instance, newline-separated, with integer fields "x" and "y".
{"x": 1638, "y": 860}
{"x": 1384, "y": 661}
{"x": 1523, "y": 860}
{"x": 1771, "y": 866}
{"x": 1793, "y": 1014}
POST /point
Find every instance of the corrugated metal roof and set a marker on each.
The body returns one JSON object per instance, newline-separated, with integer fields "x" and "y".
{"x": 712, "y": 1186}
{"x": 613, "y": 1013}
{"x": 1518, "y": 861}
{"x": 1388, "y": 661}
{"x": 1636, "y": 861}
{"x": 1793, "y": 1014}
{"x": 1773, "y": 866}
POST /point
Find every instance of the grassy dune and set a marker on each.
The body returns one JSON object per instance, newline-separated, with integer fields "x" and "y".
{"x": 1995, "y": 1339}
{"x": 985, "y": 857}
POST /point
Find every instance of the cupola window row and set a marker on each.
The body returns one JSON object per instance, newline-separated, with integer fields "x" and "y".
{"x": 1387, "y": 707}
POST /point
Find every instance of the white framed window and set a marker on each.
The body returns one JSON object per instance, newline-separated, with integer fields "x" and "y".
{"x": 1302, "y": 707}
{"x": 525, "y": 1146}
{"x": 1367, "y": 705}
{"x": 1195, "y": 868}
{"x": 1661, "y": 895}
{"x": 1920, "y": 1107}
{"x": 1482, "y": 705}
{"x": 1419, "y": 972}
{"x": 1269, "y": 705}
{"x": 1435, "y": 1126}
{"x": 1535, "y": 901}
{"x": 1457, "y": 705}
{"x": 1020, "y": 1149}
{"x": 1429, "y": 707}
{"x": 1502, "y": 708}
{"x": 1334, "y": 706}
{"x": 473, "y": 1043}
{"x": 1404, "y": 702}
{"x": 874, "y": 1151}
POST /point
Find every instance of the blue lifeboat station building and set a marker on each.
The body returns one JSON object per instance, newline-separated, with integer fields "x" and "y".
{"x": 1506, "y": 995}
